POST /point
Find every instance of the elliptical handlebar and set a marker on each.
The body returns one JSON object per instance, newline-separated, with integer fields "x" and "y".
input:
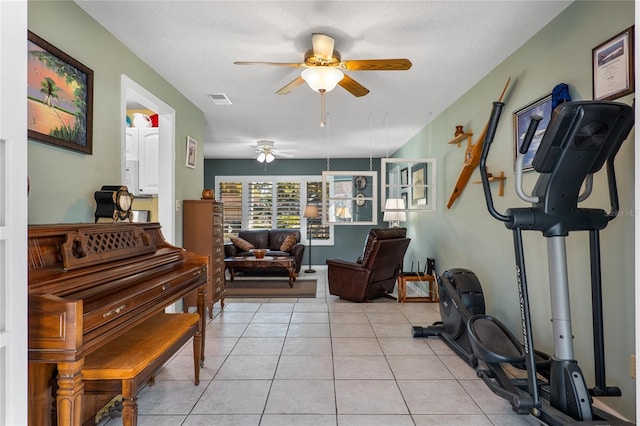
{"x": 491, "y": 132}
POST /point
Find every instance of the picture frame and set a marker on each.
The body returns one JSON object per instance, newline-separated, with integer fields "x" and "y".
{"x": 192, "y": 152}
{"x": 59, "y": 97}
{"x": 418, "y": 184}
{"x": 521, "y": 118}
{"x": 613, "y": 66}
{"x": 404, "y": 177}
{"x": 361, "y": 183}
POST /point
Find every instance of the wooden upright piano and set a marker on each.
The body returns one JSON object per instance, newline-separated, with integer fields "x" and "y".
{"x": 89, "y": 284}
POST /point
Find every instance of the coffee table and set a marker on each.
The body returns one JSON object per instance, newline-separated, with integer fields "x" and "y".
{"x": 286, "y": 262}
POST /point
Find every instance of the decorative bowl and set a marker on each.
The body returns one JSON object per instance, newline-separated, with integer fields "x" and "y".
{"x": 207, "y": 194}
{"x": 259, "y": 253}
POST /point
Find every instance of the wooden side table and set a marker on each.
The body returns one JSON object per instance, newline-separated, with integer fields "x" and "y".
{"x": 402, "y": 288}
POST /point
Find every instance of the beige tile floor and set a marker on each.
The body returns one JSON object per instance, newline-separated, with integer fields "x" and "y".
{"x": 321, "y": 362}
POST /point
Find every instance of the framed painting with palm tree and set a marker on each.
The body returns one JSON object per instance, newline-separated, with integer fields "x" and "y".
{"x": 59, "y": 97}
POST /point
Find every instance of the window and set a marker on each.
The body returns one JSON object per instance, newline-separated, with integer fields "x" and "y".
{"x": 266, "y": 202}
{"x": 350, "y": 198}
{"x": 411, "y": 180}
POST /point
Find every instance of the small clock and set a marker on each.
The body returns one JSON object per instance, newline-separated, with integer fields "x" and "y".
{"x": 360, "y": 199}
{"x": 114, "y": 202}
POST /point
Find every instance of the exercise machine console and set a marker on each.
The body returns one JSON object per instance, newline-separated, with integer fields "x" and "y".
{"x": 580, "y": 139}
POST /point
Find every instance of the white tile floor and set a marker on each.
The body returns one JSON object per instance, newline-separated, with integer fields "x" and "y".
{"x": 320, "y": 362}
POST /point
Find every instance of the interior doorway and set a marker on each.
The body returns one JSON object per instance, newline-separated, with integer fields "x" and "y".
{"x": 132, "y": 92}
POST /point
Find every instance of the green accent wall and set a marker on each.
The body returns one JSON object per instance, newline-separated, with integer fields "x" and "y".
{"x": 466, "y": 236}
{"x": 63, "y": 182}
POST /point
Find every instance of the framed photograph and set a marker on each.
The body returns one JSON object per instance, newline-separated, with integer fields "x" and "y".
{"x": 521, "y": 119}
{"x": 59, "y": 97}
{"x": 192, "y": 150}
{"x": 613, "y": 67}
{"x": 418, "y": 184}
{"x": 404, "y": 176}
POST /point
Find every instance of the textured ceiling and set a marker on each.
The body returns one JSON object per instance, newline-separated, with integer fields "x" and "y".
{"x": 193, "y": 44}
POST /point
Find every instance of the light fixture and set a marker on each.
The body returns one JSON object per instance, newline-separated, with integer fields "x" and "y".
{"x": 265, "y": 156}
{"x": 322, "y": 80}
{"x": 394, "y": 212}
{"x": 310, "y": 212}
{"x": 344, "y": 214}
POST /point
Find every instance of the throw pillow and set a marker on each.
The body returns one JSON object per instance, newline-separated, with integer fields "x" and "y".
{"x": 242, "y": 244}
{"x": 289, "y": 242}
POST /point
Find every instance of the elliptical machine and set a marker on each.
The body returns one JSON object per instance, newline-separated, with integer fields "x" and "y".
{"x": 580, "y": 138}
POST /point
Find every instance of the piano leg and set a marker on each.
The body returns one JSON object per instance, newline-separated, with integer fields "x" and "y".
{"x": 129, "y": 404}
{"x": 202, "y": 291}
{"x": 70, "y": 393}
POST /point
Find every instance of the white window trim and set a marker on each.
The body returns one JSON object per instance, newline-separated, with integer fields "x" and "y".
{"x": 245, "y": 180}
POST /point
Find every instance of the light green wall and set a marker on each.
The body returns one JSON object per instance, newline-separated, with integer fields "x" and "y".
{"x": 62, "y": 181}
{"x": 466, "y": 236}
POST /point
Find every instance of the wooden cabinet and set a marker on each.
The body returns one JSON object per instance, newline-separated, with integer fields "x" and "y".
{"x": 202, "y": 233}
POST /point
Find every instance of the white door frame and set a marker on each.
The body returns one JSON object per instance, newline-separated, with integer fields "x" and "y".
{"x": 132, "y": 91}
{"x": 13, "y": 213}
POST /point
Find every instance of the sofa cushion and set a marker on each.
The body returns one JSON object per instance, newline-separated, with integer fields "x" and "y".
{"x": 277, "y": 237}
{"x": 289, "y": 242}
{"x": 258, "y": 237}
{"x": 242, "y": 244}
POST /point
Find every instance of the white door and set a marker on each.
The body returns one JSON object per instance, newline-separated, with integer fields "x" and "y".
{"x": 13, "y": 213}
{"x": 149, "y": 161}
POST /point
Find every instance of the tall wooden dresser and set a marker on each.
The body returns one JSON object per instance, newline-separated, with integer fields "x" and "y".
{"x": 202, "y": 233}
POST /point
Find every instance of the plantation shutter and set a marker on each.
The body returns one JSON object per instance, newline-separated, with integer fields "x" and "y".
{"x": 231, "y": 196}
{"x": 314, "y": 198}
{"x": 260, "y": 205}
{"x": 288, "y": 205}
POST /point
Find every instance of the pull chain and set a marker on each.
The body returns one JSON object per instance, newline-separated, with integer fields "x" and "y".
{"x": 370, "y": 142}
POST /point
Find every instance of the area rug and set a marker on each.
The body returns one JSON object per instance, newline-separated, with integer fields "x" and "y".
{"x": 270, "y": 288}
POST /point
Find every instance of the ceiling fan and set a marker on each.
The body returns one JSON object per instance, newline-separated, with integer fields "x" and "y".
{"x": 324, "y": 69}
{"x": 266, "y": 153}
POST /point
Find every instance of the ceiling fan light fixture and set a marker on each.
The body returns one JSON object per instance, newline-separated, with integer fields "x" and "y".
{"x": 322, "y": 79}
{"x": 269, "y": 157}
{"x": 261, "y": 157}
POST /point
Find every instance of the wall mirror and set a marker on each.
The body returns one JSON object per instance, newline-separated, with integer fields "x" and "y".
{"x": 350, "y": 198}
{"x": 411, "y": 180}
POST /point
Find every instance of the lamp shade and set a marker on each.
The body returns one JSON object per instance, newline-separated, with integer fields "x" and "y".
{"x": 394, "y": 210}
{"x": 261, "y": 157}
{"x": 310, "y": 212}
{"x": 322, "y": 79}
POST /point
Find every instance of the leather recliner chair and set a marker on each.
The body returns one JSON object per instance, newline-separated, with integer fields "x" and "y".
{"x": 375, "y": 272}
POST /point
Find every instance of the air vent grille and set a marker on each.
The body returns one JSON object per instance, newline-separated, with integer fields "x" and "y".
{"x": 219, "y": 98}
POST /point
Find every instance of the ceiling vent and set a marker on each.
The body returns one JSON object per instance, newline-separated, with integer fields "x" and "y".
{"x": 219, "y": 98}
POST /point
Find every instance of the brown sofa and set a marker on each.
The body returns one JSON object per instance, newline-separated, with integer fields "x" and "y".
{"x": 272, "y": 240}
{"x": 375, "y": 272}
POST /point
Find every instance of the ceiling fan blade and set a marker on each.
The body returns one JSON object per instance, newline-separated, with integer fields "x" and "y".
{"x": 290, "y": 86}
{"x": 322, "y": 46}
{"x": 376, "y": 64}
{"x": 282, "y": 154}
{"x": 277, "y": 64}
{"x": 352, "y": 86}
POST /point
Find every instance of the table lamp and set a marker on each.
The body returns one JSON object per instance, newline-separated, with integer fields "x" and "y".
{"x": 394, "y": 212}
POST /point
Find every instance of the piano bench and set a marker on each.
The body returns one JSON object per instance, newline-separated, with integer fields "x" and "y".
{"x": 124, "y": 365}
